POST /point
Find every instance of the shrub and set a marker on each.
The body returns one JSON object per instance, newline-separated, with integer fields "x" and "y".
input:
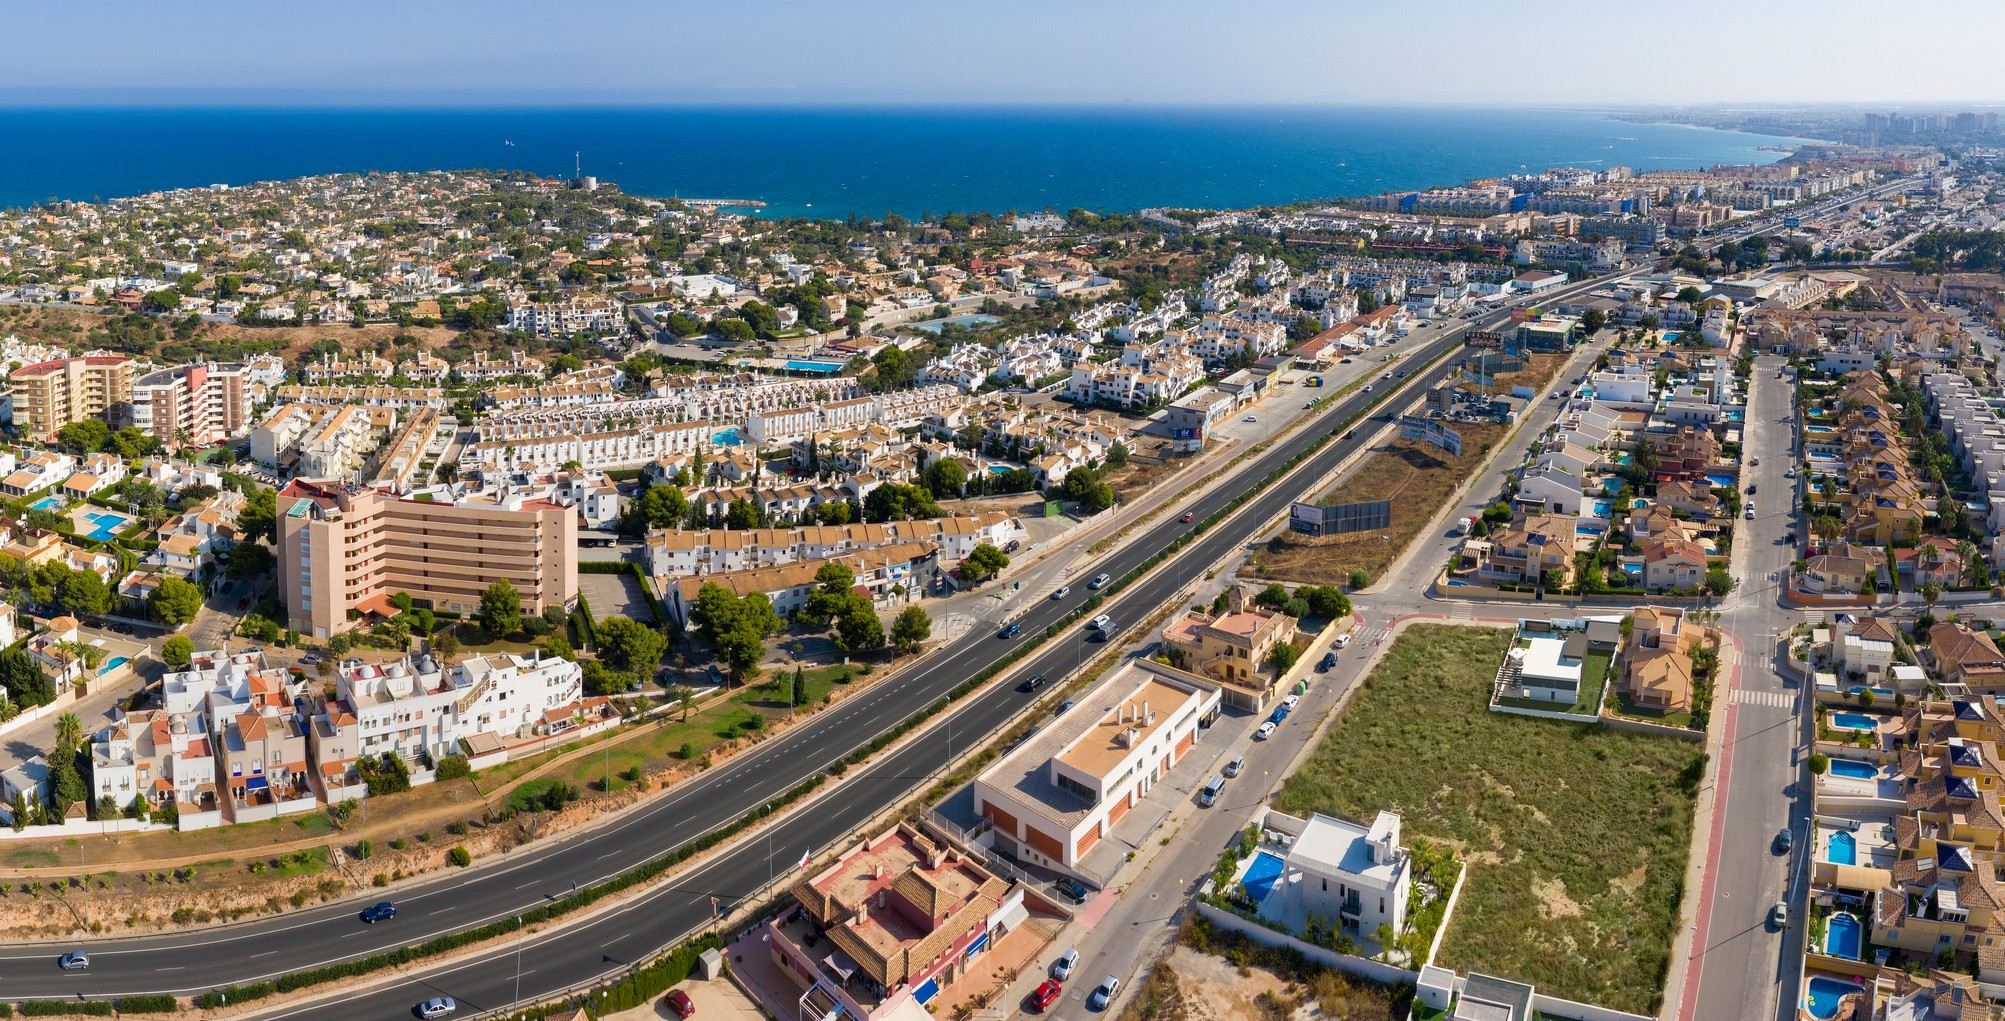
{"x": 148, "y": 1003}
{"x": 66, "y": 1008}
{"x": 1819, "y": 762}
{"x": 460, "y": 856}
{"x": 454, "y": 767}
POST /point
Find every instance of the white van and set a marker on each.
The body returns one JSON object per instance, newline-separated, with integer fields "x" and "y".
{"x": 1211, "y": 791}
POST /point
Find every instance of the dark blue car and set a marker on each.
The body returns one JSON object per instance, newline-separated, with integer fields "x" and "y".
{"x": 1278, "y": 716}
{"x": 379, "y": 912}
{"x": 1012, "y": 631}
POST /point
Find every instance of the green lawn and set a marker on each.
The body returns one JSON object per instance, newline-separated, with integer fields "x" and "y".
{"x": 1593, "y": 675}
{"x": 1626, "y": 706}
{"x": 1576, "y": 836}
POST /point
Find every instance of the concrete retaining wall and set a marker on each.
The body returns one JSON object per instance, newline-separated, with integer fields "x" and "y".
{"x": 1385, "y": 974}
{"x": 1580, "y": 1011}
{"x": 1656, "y": 729}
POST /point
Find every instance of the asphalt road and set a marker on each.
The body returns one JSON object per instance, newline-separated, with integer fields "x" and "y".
{"x": 1749, "y": 969}
{"x": 189, "y": 962}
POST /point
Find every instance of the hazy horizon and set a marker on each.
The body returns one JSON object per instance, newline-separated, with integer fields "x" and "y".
{"x": 1568, "y": 55}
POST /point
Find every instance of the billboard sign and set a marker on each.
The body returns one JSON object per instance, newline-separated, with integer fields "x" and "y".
{"x": 1430, "y": 430}
{"x": 1314, "y": 519}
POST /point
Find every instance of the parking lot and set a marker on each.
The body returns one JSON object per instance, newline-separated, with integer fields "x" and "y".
{"x": 614, "y": 595}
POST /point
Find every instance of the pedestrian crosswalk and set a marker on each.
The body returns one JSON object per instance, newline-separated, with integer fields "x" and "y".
{"x": 1461, "y": 611}
{"x": 1367, "y": 636}
{"x": 1772, "y": 699}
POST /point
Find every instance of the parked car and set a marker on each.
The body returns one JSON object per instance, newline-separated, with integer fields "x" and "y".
{"x": 1103, "y": 994}
{"x": 1238, "y": 763}
{"x": 1046, "y": 995}
{"x": 1291, "y": 702}
{"x": 1778, "y": 915}
{"x": 75, "y": 960}
{"x": 1033, "y": 682}
{"x": 1266, "y": 731}
{"x": 1782, "y": 841}
{"x": 437, "y": 1006}
{"x": 1074, "y": 889}
{"x": 1751, "y": 488}
{"x": 1329, "y": 660}
{"x": 1061, "y": 969}
{"x": 1059, "y": 592}
{"x": 382, "y": 912}
{"x": 1062, "y": 706}
{"x": 1212, "y": 789}
{"x": 679, "y": 1001}
{"x": 1099, "y": 581}
{"x": 1343, "y": 641}
{"x": 1279, "y": 715}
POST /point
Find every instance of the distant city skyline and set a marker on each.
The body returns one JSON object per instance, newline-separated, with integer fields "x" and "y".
{"x": 881, "y": 52}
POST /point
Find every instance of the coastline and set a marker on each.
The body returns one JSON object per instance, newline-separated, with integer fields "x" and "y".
{"x": 831, "y": 163}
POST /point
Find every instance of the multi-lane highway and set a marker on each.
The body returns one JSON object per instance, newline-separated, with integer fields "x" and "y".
{"x": 556, "y": 960}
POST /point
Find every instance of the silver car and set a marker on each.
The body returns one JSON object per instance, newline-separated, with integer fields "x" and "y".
{"x": 1103, "y": 994}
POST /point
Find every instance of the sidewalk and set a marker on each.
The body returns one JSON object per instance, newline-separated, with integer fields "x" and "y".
{"x": 1709, "y": 820}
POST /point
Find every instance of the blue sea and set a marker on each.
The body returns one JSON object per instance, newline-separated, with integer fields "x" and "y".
{"x": 834, "y": 162}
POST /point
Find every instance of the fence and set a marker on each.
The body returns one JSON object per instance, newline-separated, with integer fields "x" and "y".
{"x": 1376, "y": 971}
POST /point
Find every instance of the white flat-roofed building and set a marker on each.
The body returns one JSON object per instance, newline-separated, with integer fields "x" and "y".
{"x": 1058, "y": 795}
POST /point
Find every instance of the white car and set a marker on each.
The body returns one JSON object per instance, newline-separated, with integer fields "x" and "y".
{"x": 1059, "y": 592}
{"x": 1266, "y": 731}
{"x": 437, "y": 1006}
{"x": 1061, "y": 969}
{"x": 1343, "y": 641}
{"x": 1291, "y": 702}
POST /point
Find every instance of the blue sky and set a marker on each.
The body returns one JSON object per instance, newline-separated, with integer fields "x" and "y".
{"x": 791, "y": 52}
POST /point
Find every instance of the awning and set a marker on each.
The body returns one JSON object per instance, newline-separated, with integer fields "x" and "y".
{"x": 1012, "y": 916}
{"x": 840, "y": 965}
{"x": 255, "y": 783}
{"x": 926, "y": 990}
{"x": 980, "y": 944}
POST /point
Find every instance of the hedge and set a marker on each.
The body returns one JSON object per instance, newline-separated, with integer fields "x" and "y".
{"x": 601, "y": 566}
{"x": 638, "y": 989}
{"x": 148, "y": 1003}
{"x": 296, "y": 980}
{"x": 235, "y": 994}
{"x": 67, "y": 1008}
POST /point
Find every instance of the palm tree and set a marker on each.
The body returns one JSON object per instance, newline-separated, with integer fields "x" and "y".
{"x": 69, "y": 733}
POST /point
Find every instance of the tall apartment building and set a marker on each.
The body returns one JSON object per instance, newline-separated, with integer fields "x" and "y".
{"x": 192, "y": 405}
{"x": 347, "y": 547}
{"x": 50, "y": 395}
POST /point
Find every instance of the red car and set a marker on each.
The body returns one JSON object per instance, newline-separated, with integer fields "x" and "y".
{"x": 1188, "y": 518}
{"x": 678, "y": 1001}
{"x": 1046, "y": 995}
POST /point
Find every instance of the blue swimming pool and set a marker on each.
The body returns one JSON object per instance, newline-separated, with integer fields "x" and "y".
{"x": 1261, "y": 873}
{"x": 1853, "y": 721}
{"x": 999, "y": 469}
{"x": 114, "y": 663}
{"x": 1842, "y": 849}
{"x": 727, "y": 437}
{"x": 1886, "y": 693}
{"x": 1854, "y": 769}
{"x": 47, "y": 503}
{"x": 105, "y": 524}
{"x": 1583, "y": 528}
{"x": 1603, "y": 507}
{"x": 1824, "y": 995}
{"x": 1720, "y": 479}
{"x": 1841, "y": 937}
{"x": 795, "y": 365}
